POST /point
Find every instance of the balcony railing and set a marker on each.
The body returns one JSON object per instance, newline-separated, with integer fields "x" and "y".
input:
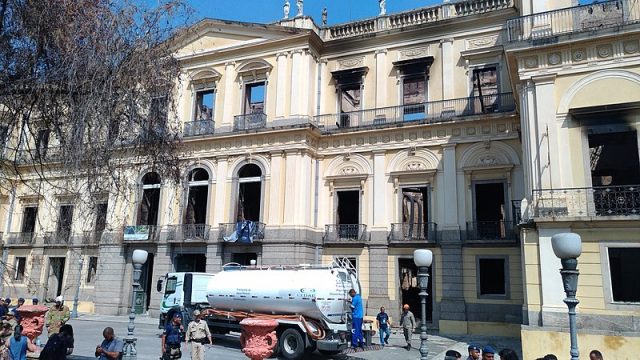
{"x": 198, "y": 127}
{"x": 188, "y": 233}
{"x": 57, "y": 238}
{"x": 249, "y": 121}
{"x": 141, "y": 233}
{"x": 345, "y": 233}
{"x": 49, "y": 154}
{"x": 20, "y": 238}
{"x": 413, "y": 232}
{"x": 244, "y": 232}
{"x": 596, "y": 16}
{"x": 429, "y": 112}
{"x": 621, "y": 200}
{"x": 491, "y": 231}
{"x": 91, "y": 238}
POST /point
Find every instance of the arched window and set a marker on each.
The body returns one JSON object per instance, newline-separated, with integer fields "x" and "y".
{"x": 150, "y": 201}
{"x": 197, "y": 196}
{"x": 249, "y": 193}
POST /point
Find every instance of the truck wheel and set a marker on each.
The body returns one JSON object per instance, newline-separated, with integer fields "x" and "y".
{"x": 291, "y": 344}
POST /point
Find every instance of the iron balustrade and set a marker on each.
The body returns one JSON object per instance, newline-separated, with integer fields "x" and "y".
{"x": 429, "y": 112}
{"x": 20, "y": 238}
{"x": 249, "y": 121}
{"x": 345, "y": 233}
{"x": 48, "y": 154}
{"x": 198, "y": 127}
{"x": 141, "y": 233}
{"x": 596, "y": 16}
{"x": 188, "y": 232}
{"x": 227, "y": 230}
{"x": 516, "y": 211}
{"x": 407, "y": 232}
{"x": 621, "y": 200}
{"x": 57, "y": 238}
{"x": 499, "y": 230}
{"x": 92, "y": 237}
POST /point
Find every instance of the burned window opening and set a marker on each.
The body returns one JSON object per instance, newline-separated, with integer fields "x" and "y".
{"x": 20, "y": 265}
{"x": 190, "y": 263}
{"x": 485, "y": 88}
{"x": 490, "y": 211}
{"x": 55, "y": 277}
{"x": 348, "y": 214}
{"x": 244, "y": 259}
{"x": 65, "y": 219}
{"x": 492, "y": 277}
{"x": 350, "y": 103}
{"x": 150, "y": 202}
{"x": 414, "y": 95}
{"x": 614, "y": 159}
{"x": 92, "y": 269}
{"x": 409, "y": 289}
{"x": 101, "y": 217}
{"x": 29, "y": 218}
{"x": 415, "y": 212}
{"x": 42, "y": 142}
{"x": 254, "y": 98}
{"x": 205, "y": 103}
{"x": 622, "y": 265}
{"x": 197, "y": 195}
{"x": 249, "y": 193}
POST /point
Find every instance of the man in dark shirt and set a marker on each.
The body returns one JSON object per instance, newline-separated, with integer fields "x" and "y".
{"x": 172, "y": 337}
{"x": 384, "y": 326}
{"x": 59, "y": 345}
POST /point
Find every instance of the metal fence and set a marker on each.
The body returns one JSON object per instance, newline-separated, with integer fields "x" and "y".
{"x": 57, "y": 238}
{"x": 621, "y": 200}
{"x": 482, "y": 231}
{"x": 249, "y": 121}
{"x": 92, "y": 237}
{"x": 345, "y": 233}
{"x": 429, "y": 112}
{"x": 407, "y": 232}
{"x": 199, "y": 127}
{"x": 141, "y": 233}
{"x": 235, "y": 231}
{"x": 20, "y": 238}
{"x": 188, "y": 232}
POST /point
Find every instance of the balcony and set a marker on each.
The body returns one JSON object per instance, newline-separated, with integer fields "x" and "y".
{"x": 595, "y": 201}
{"x": 49, "y": 154}
{"x": 20, "y": 239}
{"x": 141, "y": 234}
{"x": 245, "y": 232}
{"x": 345, "y": 234}
{"x": 249, "y": 122}
{"x": 584, "y": 18}
{"x": 425, "y": 113}
{"x": 91, "y": 238}
{"x": 57, "y": 238}
{"x": 418, "y": 233}
{"x": 188, "y": 233}
{"x": 198, "y": 128}
{"x": 491, "y": 232}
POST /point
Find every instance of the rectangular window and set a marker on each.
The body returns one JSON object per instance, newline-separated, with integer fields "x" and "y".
{"x": 20, "y": 266}
{"x": 624, "y": 283}
{"x": 42, "y": 142}
{"x": 4, "y": 133}
{"x": 101, "y": 217}
{"x": 205, "y": 102}
{"x": 349, "y": 105}
{"x": 492, "y": 277}
{"x": 254, "y": 98}
{"x": 348, "y": 214}
{"x": 614, "y": 158}
{"x": 490, "y": 215}
{"x": 414, "y": 95}
{"x": 415, "y": 213}
{"x": 29, "y": 219}
{"x": 92, "y": 269}
{"x": 65, "y": 218}
{"x": 485, "y": 88}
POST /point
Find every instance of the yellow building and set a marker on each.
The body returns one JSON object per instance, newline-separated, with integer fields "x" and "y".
{"x": 576, "y": 71}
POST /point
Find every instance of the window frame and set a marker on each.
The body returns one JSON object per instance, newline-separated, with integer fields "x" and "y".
{"x": 483, "y": 66}
{"x": 336, "y": 203}
{"x": 507, "y": 286}
{"x": 17, "y": 267}
{"x": 202, "y": 88}
{"x": 246, "y": 96}
{"x": 505, "y": 190}
{"x": 87, "y": 280}
{"x": 607, "y": 288}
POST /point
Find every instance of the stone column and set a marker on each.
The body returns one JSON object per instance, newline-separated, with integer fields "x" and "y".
{"x": 448, "y": 65}
{"x": 546, "y": 135}
{"x": 220, "y": 212}
{"x": 276, "y": 200}
{"x": 291, "y": 186}
{"x": 298, "y": 83}
{"x": 381, "y": 78}
{"x": 281, "y": 97}
{"x": 450, "y": 228}
{"x": 229, "y": 91}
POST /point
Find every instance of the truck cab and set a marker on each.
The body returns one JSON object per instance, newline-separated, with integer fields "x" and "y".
{"x": 182, "y": 291}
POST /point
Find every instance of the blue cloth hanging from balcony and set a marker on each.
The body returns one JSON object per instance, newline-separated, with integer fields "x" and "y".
{"x": 244, "y": 232}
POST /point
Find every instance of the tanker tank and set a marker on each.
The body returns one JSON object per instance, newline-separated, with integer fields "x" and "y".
{"x": 316, "y": 293}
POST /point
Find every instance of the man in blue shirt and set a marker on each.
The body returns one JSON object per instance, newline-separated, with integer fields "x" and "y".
{"x": 111, "y": 347}
{"x": 384, "y": 326}
{"x": 357, "y": 314}
{"x": 172, "y": 337}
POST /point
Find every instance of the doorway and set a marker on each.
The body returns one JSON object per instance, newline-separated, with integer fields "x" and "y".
{"x": 409, "y": 289}
{"x": 348, "y": 214}
{"x": 55, "y": 278}
{"x": 249, "y": 193}
{"x": 146, "y": 281}
{"x": 489, "y": 210}
{"x": 190, "y": 263}
{"x": 244, "y": 259}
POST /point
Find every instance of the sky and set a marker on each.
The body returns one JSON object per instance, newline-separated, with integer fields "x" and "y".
{"x": 269, "y": 11}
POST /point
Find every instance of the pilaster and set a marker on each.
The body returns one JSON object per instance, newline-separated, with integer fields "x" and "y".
{"x": 229, "y": 90}
{"x": 282, "y": 60}
{"x": 448, "y": 63}
{"x": 219, "y": 213}
{"x": 381, "y": 78}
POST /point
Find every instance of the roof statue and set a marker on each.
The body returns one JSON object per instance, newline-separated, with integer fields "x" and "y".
{"x": 383, "y": 7}
{"x": 299, "y": 4}
{"x": 286, "y": 9}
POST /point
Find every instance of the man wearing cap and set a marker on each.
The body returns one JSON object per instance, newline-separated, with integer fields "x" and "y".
{"x": 57, "y": 316}
{"x": 35, "y": 301}
{"x": 408, "y": 323}
{"x": 15, "y": 311}
{"x": 171, "y": 338}
{"x": 198, "y": 334}
{"x": 488, "y": 353}
{"x": 474, "y": 352}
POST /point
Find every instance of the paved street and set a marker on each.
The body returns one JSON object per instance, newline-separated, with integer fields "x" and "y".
{"x": 88, "y": 334}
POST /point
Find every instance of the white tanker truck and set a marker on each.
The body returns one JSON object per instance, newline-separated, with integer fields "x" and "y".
{"x": 309, "y": 302}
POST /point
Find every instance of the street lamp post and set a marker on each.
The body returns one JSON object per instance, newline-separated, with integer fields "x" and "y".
{"x": 129, "y": 351}
{"x": 568, "y": 247}
{"x": 74, "y": 311}
{"x": 423, "y": 259}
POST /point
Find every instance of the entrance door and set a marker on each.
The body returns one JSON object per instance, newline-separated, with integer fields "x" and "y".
{"x": 55, "y": 278}
{"x": 490, "y": 210}
{"x": 191, "y": 263}
{"x": 409, "y": 289}
{"x": 146, "y": 281}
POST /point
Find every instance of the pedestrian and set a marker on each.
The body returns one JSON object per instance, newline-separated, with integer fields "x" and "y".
{"x": 474, "y": 352}
{"x": 59, "y": 344}
{"x": 408, "y": 323}
{"x": 488, "y": 353}
{"x": 19, "y": 344}
{"x": 57, "y": 316}
{"x": 111, "y": 346}
{"x": 357, "y": 315}
{"x": 171, "y": 338}
{"x": 508, "y": 354}
{"x": 3, "y": 309}
{"x": 452, "y": 355}
{"x": 198, "y": 334}
{"x": 16, "y": 313}
{"x": 384, "y": 326}
{"x": 35, "y": 301}
{"x": 595, "y": 355}
{"x": 550, "y": 357}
